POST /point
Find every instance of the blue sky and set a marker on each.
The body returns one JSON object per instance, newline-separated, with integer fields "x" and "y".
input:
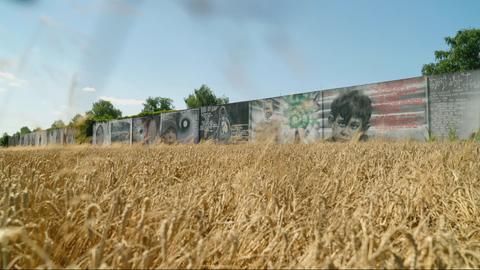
{"x": 59, "y": 56}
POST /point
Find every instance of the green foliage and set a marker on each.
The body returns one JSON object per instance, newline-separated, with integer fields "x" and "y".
{"x": 452, "y": 133}
{"x": 58, "y": 124}
{"x": 75, "y": 119}
{"x": 142, "y": 114}
{"x": 104, "y": 110}
{"x": 431, "y": 137}
{"x": 83, "y": 126}
{"x": 155, "y": 104}
{"x": 24, "y": 130}
{"x": 37, "y": 129}
{"x": 476, "y": 136}
{"x": 4, "y": 140}
{"x": 464, "y": 54}
{"x": 203, "y": 97}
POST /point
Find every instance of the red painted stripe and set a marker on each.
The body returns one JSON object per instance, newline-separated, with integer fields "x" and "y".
{"x": 398, "y": 106}
{"x": 403, "y": 120}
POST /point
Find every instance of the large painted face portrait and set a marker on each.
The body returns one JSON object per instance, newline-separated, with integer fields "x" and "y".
{"x": 170, "y": 136}
{"x": 350, "y": 116}
{"x": 268, "y": 109}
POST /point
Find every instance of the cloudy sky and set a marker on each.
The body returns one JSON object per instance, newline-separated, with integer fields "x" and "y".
{"x": 59, "y": 56}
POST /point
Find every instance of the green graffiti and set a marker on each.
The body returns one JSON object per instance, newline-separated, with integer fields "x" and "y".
{"x": 300, "y": 108}
{"x": 298, "y": 117}
{"x": 299, "y": 99}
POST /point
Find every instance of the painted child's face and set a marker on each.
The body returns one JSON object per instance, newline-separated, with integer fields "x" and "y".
{"x": 170, "y": 136}
{"x": 268, "y": 110}
{"x": 343, "y": 130}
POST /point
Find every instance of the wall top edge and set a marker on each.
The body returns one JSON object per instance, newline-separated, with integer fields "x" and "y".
{"x": 454, "y": 73}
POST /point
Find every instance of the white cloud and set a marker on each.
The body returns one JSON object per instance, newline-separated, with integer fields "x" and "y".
{"x": 89, "y": 89}
{"x": 10, "y": 80}
{"x": 121, "y": 101}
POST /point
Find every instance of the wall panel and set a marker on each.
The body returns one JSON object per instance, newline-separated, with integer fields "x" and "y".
{"x": 101, "y": 133}
{"x": 181, "y": 126}
{"x": 145, "y": 129}
{"x": 455, "y": 104}
{"x": 225, "y": 123}
{"x": 120, "y": 131}
{"x": 398, "y": 109}
{"x": 287, "y": 119}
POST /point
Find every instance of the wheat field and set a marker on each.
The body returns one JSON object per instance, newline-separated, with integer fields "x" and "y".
{"x": 326, "y": 205}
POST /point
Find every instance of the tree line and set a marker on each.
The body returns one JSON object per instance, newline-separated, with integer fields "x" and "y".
{"x": 463, "y": 54}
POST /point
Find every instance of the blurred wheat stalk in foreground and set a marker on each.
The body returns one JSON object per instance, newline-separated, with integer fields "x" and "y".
{"x": 375, "y": 204}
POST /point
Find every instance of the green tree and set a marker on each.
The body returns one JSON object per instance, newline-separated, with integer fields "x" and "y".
{"x": 155, "y": 104}
{"x": 58, "y": 124}
{"x": 75, "y": 119}
{"x": 84, "y": 127}
{"x": 104, "y": 110}
{"x": 24, "y": 130}
{"x": 4, "y": 140}
{"x": 204, "y": 97}
{"x": 464, "y": 54}
{"x": 37, "y": 129}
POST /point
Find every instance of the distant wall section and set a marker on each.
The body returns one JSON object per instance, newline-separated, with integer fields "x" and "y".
{"x": 455, "y": 104}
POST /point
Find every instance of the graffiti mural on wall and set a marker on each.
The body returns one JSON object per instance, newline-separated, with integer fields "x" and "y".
{"x": 349, "y": 116}
{"x": 40, "y": 138}
{"x": 44, "y": 137}
{"x": 144, "y": 129}
{"x": 179, "y": 126}
{"x": 120, "y": 131}
{"x": 287, "y": 119}
{"x": 394, "y": 109}
{"x": 226, "y": 123}
{"x": 53, "y": 136}
{"x": 16, "y": 139}
{"x": 29, "y": 139}
{"x": 69, "y": 136}
{"x": 101, "y": 133}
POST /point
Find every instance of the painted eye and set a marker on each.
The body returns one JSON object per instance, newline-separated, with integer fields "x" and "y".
{"x": 354, "y": 126}
{"x": 342, "y": 124}
{"x": 184, "y": 123}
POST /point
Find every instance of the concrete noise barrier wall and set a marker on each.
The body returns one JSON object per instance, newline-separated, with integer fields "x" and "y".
{"x": 121, "y": 131}
{"x": 145, "y": 129}
{"x": 396, "y": 109}
{"x": 181, "y": 126}
{"x": 454, "y": 104}
{"x": 59, "y": 136}
{"x": 414, "y": 108}
{"x": 101, "y": 133}
{"x": 225, "y": 123}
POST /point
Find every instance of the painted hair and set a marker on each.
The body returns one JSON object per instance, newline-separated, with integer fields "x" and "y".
{"x": 352, "y": 104}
